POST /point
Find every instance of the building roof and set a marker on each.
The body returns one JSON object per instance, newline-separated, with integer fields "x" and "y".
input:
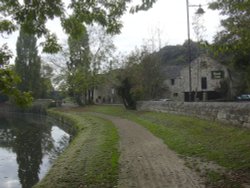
{"x": 172, "y": 71}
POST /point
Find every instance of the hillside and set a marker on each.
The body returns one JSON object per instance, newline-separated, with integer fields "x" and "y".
{"x": 177, "y": 54}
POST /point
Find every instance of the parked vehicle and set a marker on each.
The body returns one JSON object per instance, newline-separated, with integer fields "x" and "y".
{"x": 243, "y": 97}
{"x": 165, "y": 100}
{"x": 162, "y": 99}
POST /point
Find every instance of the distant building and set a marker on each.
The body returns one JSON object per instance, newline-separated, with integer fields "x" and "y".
{"x": 106, "y": 91}
{"x": 106, "y": 94}
{"x": 210, "y": 80}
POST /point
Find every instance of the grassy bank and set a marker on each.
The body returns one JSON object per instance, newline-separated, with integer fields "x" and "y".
{"x": 200, "y": 142}
{"x": 91, "y": 159}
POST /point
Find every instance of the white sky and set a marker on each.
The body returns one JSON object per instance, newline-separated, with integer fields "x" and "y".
{"x": 167, "y": 16}
{"x": 170, "y": 18}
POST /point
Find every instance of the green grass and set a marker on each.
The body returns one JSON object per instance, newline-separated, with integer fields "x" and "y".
{"x": 214, "y": 176}
{"x": 225, "y": 145}
{"x": 91, "y": 159}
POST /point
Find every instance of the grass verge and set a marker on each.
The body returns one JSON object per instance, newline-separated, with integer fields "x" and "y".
{"x": 91, "y": 159}
{"x": 225, "y": 145}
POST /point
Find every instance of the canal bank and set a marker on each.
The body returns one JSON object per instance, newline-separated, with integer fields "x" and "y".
{"x": 91, "y": 159}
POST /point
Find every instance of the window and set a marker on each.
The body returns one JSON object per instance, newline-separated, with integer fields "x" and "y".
{"x": 172, "y": 82}
{"x": 203, "y": 83}
{"x": 175, "y": 94}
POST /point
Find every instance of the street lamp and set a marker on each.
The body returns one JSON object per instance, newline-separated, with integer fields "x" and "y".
{"x": 199, "y": 11}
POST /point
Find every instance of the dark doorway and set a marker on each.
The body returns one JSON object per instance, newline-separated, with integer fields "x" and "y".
{"x": 204, "y": 83}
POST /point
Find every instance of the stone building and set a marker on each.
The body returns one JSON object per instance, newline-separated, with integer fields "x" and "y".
{"x": 106, "y": 94}
{"x": 210, "y": 80}
{"x": 106, "y": 91}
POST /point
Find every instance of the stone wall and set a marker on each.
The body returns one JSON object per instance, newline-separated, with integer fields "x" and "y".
{"x": 236, "y": 113}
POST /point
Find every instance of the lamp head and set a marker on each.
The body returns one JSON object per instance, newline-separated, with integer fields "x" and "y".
{"x": 200, "y": 10}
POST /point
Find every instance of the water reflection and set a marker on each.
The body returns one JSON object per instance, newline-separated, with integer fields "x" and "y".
{"x": 60, "y": 140}
{"x": 28, "y": 145}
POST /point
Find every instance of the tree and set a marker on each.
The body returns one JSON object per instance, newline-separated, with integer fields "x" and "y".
{"x": 151, "y": 77}
{"x": 101, "y": 56}
{"x": 9, "y": 80}
{"x": 28, "y": 64}
{"x": 32, "y": 15}
{"x": 79, "y": 69}
{"x": 234, "y": 40}
{"x": 78, "y": 85}
{"x": 199, "y": 28}
{"x": 102, "y": 48}
{"x": 141, "y": 78}
{"x": 46, "y": 87}
{"x": 124, "y": 90}
{"x": 128, "y": 88}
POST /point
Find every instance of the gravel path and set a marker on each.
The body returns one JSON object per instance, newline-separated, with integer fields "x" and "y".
{"x": 146, "y": 162}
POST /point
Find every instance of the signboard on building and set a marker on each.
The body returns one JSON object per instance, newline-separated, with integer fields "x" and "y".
{"x": 217, "y": 74}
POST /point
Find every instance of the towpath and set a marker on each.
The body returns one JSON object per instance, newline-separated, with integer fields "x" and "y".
{"x": 146, "y": 162}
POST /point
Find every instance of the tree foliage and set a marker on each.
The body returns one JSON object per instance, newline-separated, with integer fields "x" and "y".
{"x": 8, "y": 85}
{"x": 5, "y": 55}
{"x": 102, "y": 48}
{"x": 125, "y": 91}
{"x": 51, "y": 45}
{"x": 28, "y": 64}
{"x": 9, "y": 80}
{"x": 32, "y": 15}
{"x": 101, "y": 56}
{"x": 151, "y": 77}
{"x": 46, "y": 87}
{"x": 88, "y": 58}
{"x": 79, "y": 75}
{"x": 234, "y": 40}
{"x": 141, "y": 78}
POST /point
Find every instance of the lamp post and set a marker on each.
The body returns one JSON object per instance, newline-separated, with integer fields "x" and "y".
{"x": 199, "y": 11}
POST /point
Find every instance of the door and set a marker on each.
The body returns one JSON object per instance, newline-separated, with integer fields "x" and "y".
{"x": 204, "y": 83}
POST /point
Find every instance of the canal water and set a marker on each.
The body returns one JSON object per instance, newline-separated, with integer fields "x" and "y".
{"x": 28, "y": 146}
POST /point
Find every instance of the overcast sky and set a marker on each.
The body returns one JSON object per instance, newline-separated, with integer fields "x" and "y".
{"x": 170, "y": 18}
{"x": 167, "y": 17}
